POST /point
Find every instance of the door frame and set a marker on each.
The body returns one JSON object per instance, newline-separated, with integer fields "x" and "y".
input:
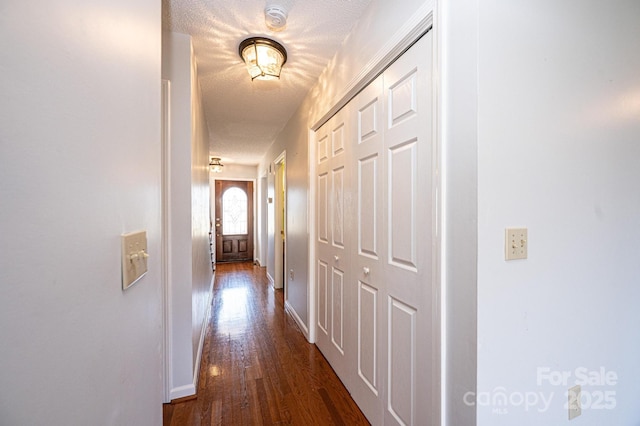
{"x": 263, "y": 219}
{"x": 212, "y": 202}
{"x": 251, "y": 212}
{"x": 165, "y": 242}
{"x": 419, "y": 24}
{"x": 280, "y": 225}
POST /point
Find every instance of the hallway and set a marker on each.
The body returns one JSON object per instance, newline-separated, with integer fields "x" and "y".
{"x": 257, "y": 368}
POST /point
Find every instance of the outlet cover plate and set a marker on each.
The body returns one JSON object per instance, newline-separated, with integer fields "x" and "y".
{"x": 574, "y": 395}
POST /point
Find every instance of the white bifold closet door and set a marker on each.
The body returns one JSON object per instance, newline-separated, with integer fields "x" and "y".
{"x": 333, "y": 243}
{"x": 375, "y": 286}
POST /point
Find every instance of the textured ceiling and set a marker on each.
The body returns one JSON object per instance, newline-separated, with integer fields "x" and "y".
{"x": 244, "y": 117}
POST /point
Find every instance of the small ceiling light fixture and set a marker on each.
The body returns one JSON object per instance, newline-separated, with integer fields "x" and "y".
{"x": 264, "y": 57}
{"x": 215, "y": 165}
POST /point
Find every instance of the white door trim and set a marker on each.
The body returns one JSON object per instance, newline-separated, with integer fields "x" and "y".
{"x": 415, "y": 27}
{"x": 280, "y": 259}
{"x": 165, "y": 239}
{"x": 311, "y": 223}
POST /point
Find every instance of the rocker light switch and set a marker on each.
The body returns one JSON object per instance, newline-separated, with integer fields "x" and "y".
{"x": 134, "y": 257}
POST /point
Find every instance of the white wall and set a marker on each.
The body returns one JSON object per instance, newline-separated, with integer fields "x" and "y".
{"x": 456, "y": 29}
{"x": 202, "y": 272}
{"x": 558, "y": 138}
{"x": 79, "y": 165}
{"x": 176, "y": 60}
{"x": 191, "y": 274}
{"x": 236, "y": 172}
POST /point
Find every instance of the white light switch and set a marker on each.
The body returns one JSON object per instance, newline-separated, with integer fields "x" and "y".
{"x": 515, "y": 243}
{"x": 134, "y": 257}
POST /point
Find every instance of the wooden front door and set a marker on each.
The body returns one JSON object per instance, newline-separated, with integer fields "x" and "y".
{"x": 234, "y": 221}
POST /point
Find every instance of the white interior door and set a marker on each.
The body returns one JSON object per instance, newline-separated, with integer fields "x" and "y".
{"x": 368, "y": 163}
{"x": 410, "y": 396}
{"x": 375, "y": 243}
{"x": 333, "y": 243}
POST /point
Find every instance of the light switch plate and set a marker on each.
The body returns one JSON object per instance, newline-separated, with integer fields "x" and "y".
{"x": 574, "y": 395}
{"x": 134, "y": 257}
{"x": 516, "y": 243}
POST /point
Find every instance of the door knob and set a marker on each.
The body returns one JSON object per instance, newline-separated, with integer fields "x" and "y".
{"x": 365, "y": 270}
{"x": 336, "y": 257}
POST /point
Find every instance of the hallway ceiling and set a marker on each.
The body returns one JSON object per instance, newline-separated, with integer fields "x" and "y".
{"x": 244, "y": 117}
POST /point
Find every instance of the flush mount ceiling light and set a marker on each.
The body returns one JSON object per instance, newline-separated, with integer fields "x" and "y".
{"x": 264, "y": 57}
{"x": 215, "y": 165}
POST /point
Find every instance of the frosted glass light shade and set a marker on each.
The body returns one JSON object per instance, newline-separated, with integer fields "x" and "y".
{"x": 215, "y": 165}
{"x": 264, "y": 58}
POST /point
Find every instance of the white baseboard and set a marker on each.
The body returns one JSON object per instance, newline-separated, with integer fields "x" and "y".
{"x": 203, "y": 334}
{"x": 289, "y": 309}
{"x": 182, "y": 391}
{"x": 270, "y": 278}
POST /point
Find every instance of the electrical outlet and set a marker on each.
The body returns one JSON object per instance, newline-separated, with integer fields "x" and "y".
{"x": 575, "y": 409}
{"x": 515, "y": 243}
{"x": 291, "y": 274}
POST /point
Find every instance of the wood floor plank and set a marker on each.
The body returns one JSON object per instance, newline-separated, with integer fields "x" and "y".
{"x": 257, "y": 367}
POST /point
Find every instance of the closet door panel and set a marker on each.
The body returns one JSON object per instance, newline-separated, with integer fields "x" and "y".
{"x": 337, "y": 190}
{"x": 322, "y": 285}
{"x": 367, "y": 256}
{"x": 323, "y": 208}
{"x": 401, "y": 362}
{"x": 409, "y": 279}
{"x": 322, "y": 231}
{"x": 368, "y": 336}
{"x": 368, "y": 205}
{"x": 333, "y": 243}
{"x": 337, "y": 309}
{"x": 402, "y": 206}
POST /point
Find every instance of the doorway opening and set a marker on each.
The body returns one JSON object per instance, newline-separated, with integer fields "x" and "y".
{"x": 280, "y": 225}
{"x": 234, "y": 221}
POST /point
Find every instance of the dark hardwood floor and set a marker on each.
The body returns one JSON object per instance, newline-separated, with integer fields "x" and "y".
{"x": 257, "y": 367}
